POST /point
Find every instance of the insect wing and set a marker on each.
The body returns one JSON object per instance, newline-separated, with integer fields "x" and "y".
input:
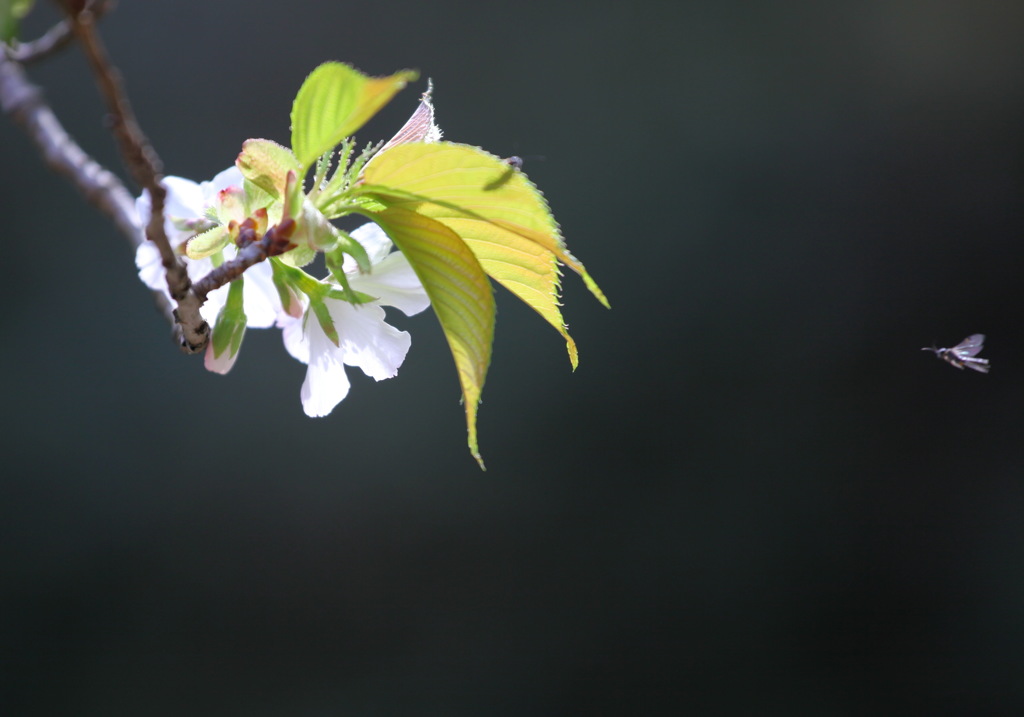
{"x": 970, "y": 346}
{"x": 977, "y": 364}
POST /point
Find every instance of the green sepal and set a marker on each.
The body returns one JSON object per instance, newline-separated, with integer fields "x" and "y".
{"x": 299, "y": 257}
{"x": 354, "y": 249}
{"x": 288, "y": 284}
{"x": 313, "y": 230}
{"x": 324, "y": 317}
{"x": 229, "y": 329}
{"x": 292, "y": 202}
{"x": 335, "y": 261}
{"x": 292, "y": 195}
{"x": 353, "y": 297}
{"x": 295, "y": 277}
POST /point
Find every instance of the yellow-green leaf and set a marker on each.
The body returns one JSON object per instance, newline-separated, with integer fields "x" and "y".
{"x": 266, "y": 164}
{"x": 208, "y": 243}
{"x": 335, "y": 101}
{"x": 460, "y": 295}
{"x": 493, "y": 207}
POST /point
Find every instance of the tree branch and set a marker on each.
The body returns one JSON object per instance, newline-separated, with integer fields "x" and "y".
{"x": 252, "y": 249}
{"x": 52, "y": 41}
{"x": 24, "y": 103}
{"x": 142, "y": 162}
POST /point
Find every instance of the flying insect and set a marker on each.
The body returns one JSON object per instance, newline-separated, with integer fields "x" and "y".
{"x": 964, "y": 353}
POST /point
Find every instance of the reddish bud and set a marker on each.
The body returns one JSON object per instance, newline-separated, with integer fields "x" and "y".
{"x": 277, "y": 237}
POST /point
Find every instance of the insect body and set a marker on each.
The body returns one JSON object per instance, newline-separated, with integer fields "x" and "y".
{"x": 964, "y": 353}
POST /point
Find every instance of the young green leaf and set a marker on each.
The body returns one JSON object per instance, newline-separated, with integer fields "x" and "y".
{"x": 207, "y": 243}
{"x": 266, "y": 164}
{"x": 460, "y": 295}
{"x": 493, "y": 207}
{"x": 335, "y": 101}
{"x": 11, "y": 11}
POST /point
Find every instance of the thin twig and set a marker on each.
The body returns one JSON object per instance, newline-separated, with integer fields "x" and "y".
{"x": 24, "y": 102}
{"x": 53, "y": 40}
{"x": 145, "y": 167}
{"x": 252, "y": 250}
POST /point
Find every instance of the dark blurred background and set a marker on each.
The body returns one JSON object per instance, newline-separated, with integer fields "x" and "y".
{"x": 755, "y": 496}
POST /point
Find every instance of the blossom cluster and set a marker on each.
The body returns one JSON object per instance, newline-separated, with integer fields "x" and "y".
{"x": 361, "y": 336}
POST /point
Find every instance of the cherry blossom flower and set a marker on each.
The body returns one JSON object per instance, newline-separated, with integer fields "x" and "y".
{"x": 365, "y": 339}
{"x": 185, "y": 215}
{"x": 357, "y": 334}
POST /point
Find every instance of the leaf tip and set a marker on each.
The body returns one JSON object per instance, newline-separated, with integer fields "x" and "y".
{"x": 596, "y": 291}
{"x": 474, "y": 448}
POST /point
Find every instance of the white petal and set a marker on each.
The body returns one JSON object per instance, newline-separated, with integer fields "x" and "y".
{"x": 185, "y": 198}
{"x": 143, "y": 208}
{"x": 198, "y": 268}
{"x": 326, "y": 383}
{"x": 184, "y": 201}
{"x": 153, "y": 275}
{"x": 394, "y": 283}
{"x": 230, "y": 177}
{"x": 215, "y": 301}
{"x": 151, "y": 268}
{"x": 376, "y": 243}
{"x": 188, "y": 200}
{"x": 262, "y": 302}
{"x": 293, "y": 332}
{"x": 366, "y": 340}
{"x": 259, "y": 296}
